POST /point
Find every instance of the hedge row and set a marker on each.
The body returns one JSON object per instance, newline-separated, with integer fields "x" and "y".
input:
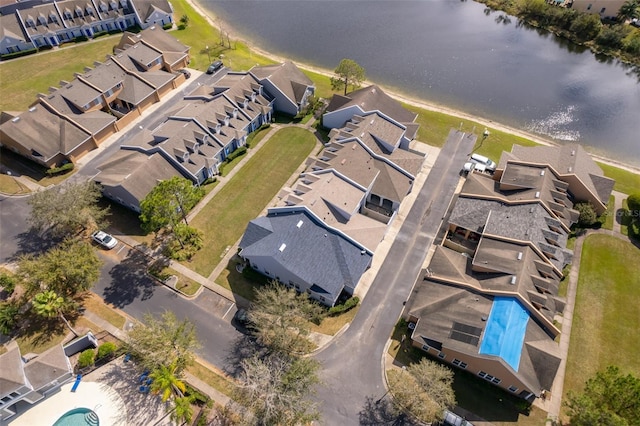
{"x": 59, "y": 170}
{"x": 346, "y": 306}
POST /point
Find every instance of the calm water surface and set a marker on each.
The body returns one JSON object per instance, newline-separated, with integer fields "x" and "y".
{"x": 453, "y": 53}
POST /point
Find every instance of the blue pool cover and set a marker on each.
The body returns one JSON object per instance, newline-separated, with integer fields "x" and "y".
{"x": 504, "y": 333}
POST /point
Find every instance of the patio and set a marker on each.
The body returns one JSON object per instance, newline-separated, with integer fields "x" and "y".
{"x": 110, "y": 391}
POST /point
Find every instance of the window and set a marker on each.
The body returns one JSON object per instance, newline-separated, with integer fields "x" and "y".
{"x": 442, "y": 355}
{"x": 589, "y": 7}
{"x": 482, "y": 374}
{"x": 496, "y": 380}
{"x": 459, "y": 363}
{"x": 513, "y": 389}
{"x": 425, "y": 348}
{"x": 489, "y": 377}
{"x": 602, "y": 10}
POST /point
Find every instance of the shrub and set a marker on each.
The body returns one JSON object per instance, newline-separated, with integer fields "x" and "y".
{"x": 587, "y": 214}
{"x": 106, "y": 349}
{"x": 7, "y": 282}
{"x": 81, "y": 38}
{"x": 237, "y": 153}
{"x": 100, "y": 34}
{"x": 209, "y": 181}
{"x": 86, "y": 358}
{"x": 60, "y": 170}
{"x": 18, "y": 54}
{"x": 586, "y": 26}
{"x": 611, "y": 36}
{"x": 633, "y": 202}
{"x": 8, "y": 317}
{"x": 349, "y": 304}
{"x": 169, "y": 26}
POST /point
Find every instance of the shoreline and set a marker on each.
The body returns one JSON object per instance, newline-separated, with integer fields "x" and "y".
{"x": 427, "y": 105}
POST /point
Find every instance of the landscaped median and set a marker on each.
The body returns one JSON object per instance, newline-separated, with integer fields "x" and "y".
{"x": 224, "y": 219}
{"x": 607, "y": 311}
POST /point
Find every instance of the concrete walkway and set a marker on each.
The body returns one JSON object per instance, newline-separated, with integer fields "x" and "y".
{"x": 617, "y": 218}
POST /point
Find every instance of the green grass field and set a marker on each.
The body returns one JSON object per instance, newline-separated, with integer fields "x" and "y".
{"x": 626, "y": 182}
{"x": 607, "y": 312}
{"x": 225, "y": 218}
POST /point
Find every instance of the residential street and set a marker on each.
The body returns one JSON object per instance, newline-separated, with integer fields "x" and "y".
{"x": 125, "y": 285}
{"x": 352, "y": 365}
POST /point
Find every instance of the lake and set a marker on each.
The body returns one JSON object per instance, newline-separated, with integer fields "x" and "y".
{"x": 456, "y": 54}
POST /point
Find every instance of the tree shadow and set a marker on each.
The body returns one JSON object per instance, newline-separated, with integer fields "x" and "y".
{"x": 129, "y": 281}
{"x": 379, "y": 412}
{"x": 244, "y": 347}
{"x": 34, "y": 242}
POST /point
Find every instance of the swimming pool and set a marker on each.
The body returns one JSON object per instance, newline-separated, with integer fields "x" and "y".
{"x": 78, "y": 417}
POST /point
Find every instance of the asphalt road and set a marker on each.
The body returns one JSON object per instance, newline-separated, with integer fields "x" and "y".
{"x": 352, "y": 365}
{"x": 15, "y": 236}
{"x": 124, "y": 284}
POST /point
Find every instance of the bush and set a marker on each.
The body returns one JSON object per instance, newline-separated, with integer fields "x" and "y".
{"x": 18, "y": 54}
{"x": 587, "y": 215}
{"x": 81, "y": 38}
{"x": 169, "y": 26}
{"x": 86, "y": 358}
{"x": 237, "y": 153}
{"x": 106, "y": 349}
{"x": 8, "y": 317}
{"x": 586, "y": 26}
{"x": 351, "y": 303}
{"x": 60, "y": 170}
{"x": 99, "y": 34}
{"x": 209, "y": 181}
{"x": 7, "y": 282}
{"x": 611, "y": 36}
{"x": 633, "y": 202}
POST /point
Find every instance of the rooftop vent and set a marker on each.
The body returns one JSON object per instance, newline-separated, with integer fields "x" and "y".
{"x": 15, "y": 119}
{"x": 573, "y": 152}
{"x": 541, "y": 172}
{"x": 282, "y": 247}
{"x": 513, "y": 279}
{"x": 299, "y": 224}
{"x": 570, "y": 169}
{"x": 537, "y": 194}
{"x": 519, "y": 255}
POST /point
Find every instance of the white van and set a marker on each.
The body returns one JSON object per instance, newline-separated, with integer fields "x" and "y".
{"x": 469, "y": 166}
{"x": 481, "y": 159}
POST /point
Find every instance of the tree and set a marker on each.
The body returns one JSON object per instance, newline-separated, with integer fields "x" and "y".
{"x": 348, "y": 73}
{"x": 164, "y": 341}
{"x": 609, "y": 398}
{"x": 587, "y": 214}
{"x": 167, "y": 382}
{"x": 423, "y": 389}
{"x": 586, "y": 26}
{"x": 8, "y": 317}
{"x": 67, "y": 208}
{"x": 276, "y": 389}
{"x": 633, "y": 202}
{"x": 182, "y": 411}
{"x": 630, "y": 9}
{"x": 68, "y": 269}
{"x": 281, "y": 318}
{"x": 168, "y": 203}
{"x": 48, "y": 305}
{"x": 184, "y": 20}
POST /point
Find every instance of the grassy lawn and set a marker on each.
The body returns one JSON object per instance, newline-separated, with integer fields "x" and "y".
{"x": 610, "y": 214}
{"x": 199, "y": 34}
{"x": 626, "y": 181}
{"x": 29, "y": 169}
{"x": 241, "y": 284}
{"x": 607, "y": 311}
{"x": 225, "y": 218}
{"x": 9, "y": 185}
{"x": 227, "y": 167}
{"x": 625, "y": 220}
{"x": 47, "y": 69}
{"x": 214, "y": 379}
{"x": 331, "y": 325}
{"x": 41, "y": 340}
{"x": 96, "y": 305}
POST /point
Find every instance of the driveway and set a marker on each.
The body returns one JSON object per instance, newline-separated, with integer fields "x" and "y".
{"x": 352, "y": 364}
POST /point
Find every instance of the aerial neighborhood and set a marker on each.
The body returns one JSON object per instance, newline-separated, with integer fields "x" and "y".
{"x": 241, "y": 230}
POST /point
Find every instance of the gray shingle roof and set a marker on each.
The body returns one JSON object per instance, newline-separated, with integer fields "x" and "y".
{"x": 313, "y": 252}
{"x": 287, "y": 77}
{"x": 372, "y": 98}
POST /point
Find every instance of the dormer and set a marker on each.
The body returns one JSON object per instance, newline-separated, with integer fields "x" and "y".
{"x": 53, "y": 17}
{"x": 181, "y": 154}
{"x": 89, "y": 10}
{"x": 103, "y": 7}
{"x": 79, "y": 13}
{"x": 67, "y": 14}
{"x": 123, "y": 3}
{"x": 114, "y": 5}
{"x": 30, "y": 21}
{"x": 42, "y": 20}
{"x": 191, "y": 145}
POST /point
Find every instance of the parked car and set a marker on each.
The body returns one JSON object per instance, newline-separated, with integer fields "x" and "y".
{"x": 215, "y": 66}
{"x": 481, "y": 159}
{"x": 185, "y": 72}
{"x": 469, "y": 167}
{"x": 105, "y": 240}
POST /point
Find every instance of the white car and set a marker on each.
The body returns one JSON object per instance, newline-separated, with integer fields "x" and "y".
{"x": 104, "y": 239}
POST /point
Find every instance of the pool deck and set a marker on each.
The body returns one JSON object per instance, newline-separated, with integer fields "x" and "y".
{"x": 111, "y": 391}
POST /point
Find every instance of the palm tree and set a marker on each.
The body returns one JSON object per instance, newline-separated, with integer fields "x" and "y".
{"x": 48, "y": 304}
{"x": 167, "y": 382}
{"x": 182, "y": 410}
{"x": 630, "y": 9}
